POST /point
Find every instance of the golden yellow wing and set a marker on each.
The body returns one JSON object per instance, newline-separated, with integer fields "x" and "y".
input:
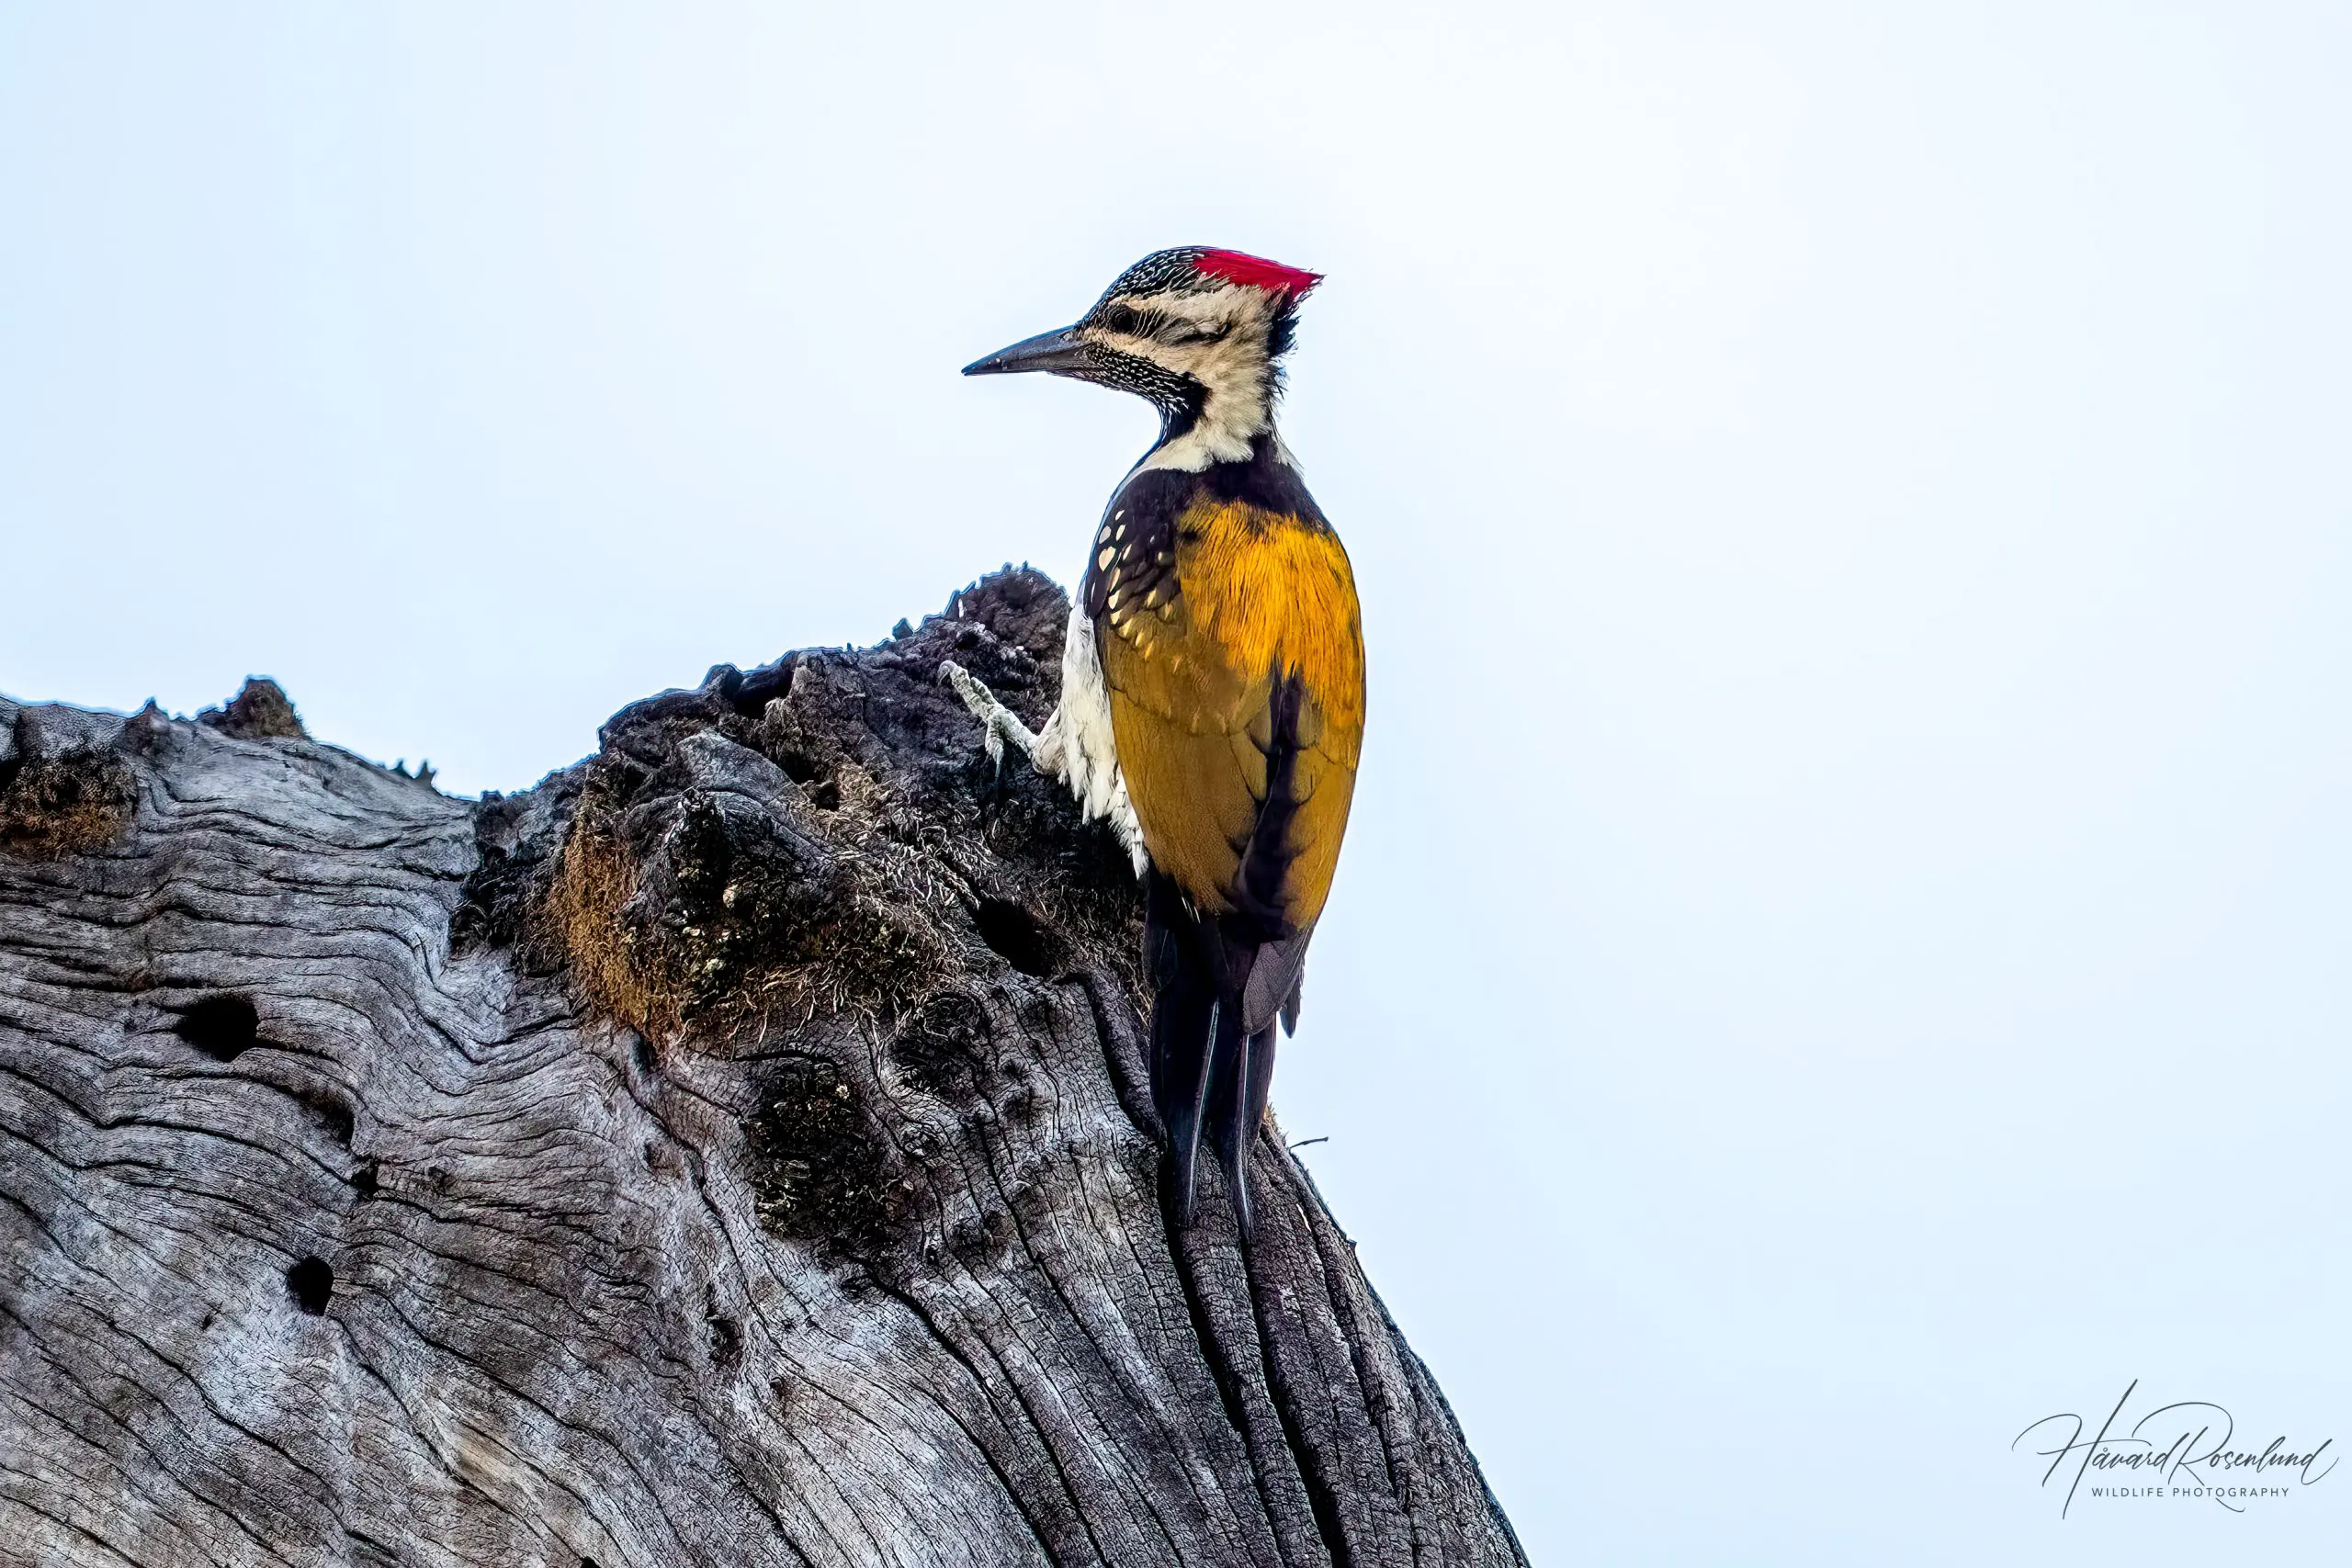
{"x": 1234, "y": 659}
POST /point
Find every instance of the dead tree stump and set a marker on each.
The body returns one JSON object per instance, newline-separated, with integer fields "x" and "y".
{"x": 734, "y": 1150}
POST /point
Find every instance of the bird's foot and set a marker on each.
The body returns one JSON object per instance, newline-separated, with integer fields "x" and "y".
{"x": 1001, "y": 723}
{"x": 1047, "y": 748}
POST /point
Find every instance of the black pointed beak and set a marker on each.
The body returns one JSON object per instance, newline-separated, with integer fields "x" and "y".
{"x": 1060, "y": 350}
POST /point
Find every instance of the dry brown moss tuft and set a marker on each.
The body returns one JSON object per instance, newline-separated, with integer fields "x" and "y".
{"x": 594, "y": 880}
{"x": 70, "y": 803}
{"x": 864, "y": 947}
{"x": 261, "y": 710}
{"x": 720, "y": 927}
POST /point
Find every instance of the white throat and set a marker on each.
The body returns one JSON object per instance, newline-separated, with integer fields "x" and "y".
{"x": 1222, "y": 434}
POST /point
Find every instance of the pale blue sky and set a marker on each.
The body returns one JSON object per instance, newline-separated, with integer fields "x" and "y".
{"x": 1843, "y": 946}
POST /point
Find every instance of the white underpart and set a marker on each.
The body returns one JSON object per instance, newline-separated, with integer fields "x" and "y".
{"x": 1089, "y": 756}
{"x": 1233, "y": 367}
{"x": 1075, "y": 743}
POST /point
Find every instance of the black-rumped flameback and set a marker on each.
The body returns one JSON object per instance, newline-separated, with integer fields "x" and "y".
{"x": 1212, "y": 682}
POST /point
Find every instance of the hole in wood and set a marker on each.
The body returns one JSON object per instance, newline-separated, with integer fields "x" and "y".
{"x": 1013, "y": 934}
{"x": 311, "y": 1282}
{"x": 223, "y": 1027}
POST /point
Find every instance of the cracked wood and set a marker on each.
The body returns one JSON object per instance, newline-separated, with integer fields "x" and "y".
{"x": 731, "y": 1151}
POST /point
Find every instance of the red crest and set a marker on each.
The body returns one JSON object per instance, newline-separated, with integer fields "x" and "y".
{"x": 1256, "y": 271}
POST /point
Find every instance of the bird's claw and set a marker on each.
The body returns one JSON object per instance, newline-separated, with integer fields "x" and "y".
{"x": 1000, "y": 724}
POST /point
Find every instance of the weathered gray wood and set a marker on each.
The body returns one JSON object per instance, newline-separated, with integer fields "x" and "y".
{"x": 732, "y": 1151}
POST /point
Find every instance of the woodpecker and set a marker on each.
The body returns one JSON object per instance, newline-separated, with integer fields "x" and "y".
{"x": 1213, "y": 679}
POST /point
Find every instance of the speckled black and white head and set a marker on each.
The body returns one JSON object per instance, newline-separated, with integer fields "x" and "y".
{"x": 1197, "y": 333}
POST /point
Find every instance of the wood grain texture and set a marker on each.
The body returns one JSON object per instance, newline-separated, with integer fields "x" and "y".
{"x": 342, "y": 1221}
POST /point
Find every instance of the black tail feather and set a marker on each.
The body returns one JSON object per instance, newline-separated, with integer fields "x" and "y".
{"x": 1258, "y": 1087}
{"x": 1212, "y": 1063}
{"x": 1185, "y": 1022}
{"x": 1243, "y": 1073}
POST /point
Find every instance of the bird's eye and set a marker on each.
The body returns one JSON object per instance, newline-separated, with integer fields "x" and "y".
{"x": 1120, "y": 318}
{"x": 1180, "y": 331}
